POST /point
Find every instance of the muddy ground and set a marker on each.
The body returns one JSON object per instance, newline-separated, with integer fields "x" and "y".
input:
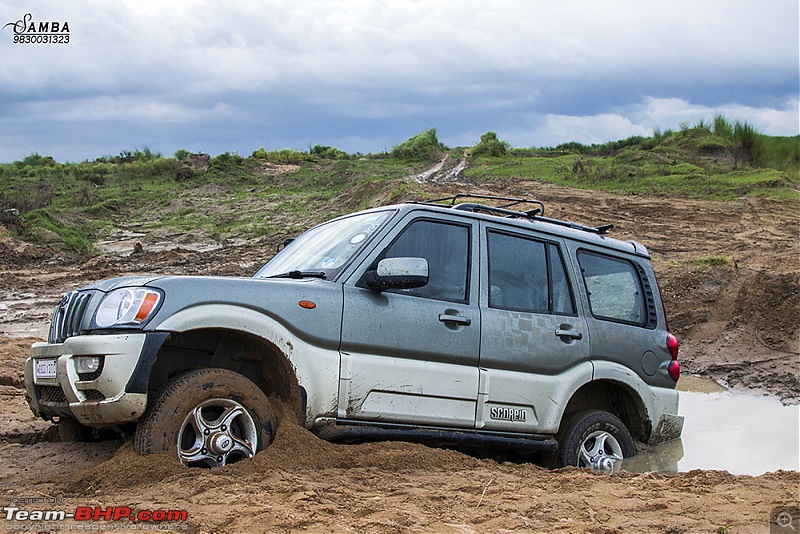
{"x": 731, "y": 278}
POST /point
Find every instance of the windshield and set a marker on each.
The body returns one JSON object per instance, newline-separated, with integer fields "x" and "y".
{"x": 326, "y": 248}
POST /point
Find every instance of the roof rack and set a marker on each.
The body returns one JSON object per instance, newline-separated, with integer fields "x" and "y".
{"x": 535, "y": 214}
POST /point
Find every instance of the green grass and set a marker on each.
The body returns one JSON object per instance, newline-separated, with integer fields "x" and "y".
{"x": 669, "y": 171}
{"x": 711, "y": 262}
{"x": 70, "y": 206}
{"x": 42, "y": 226}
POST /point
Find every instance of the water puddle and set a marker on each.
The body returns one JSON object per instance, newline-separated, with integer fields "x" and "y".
{"x": 725, "y": 430}
{"x": 25, "y": 314}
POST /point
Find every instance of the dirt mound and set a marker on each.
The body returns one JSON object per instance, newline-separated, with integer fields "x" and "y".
{"x": 737, "y": 325}
{"x": 13, "y": 352}
{"x": 125, "y": 469}
{"x": 768, "y": 303}
{"x": 17, "y": 423}
{"x": 760, "y": 303}
{"x": 15, "y": 253}
{"x": 297, "y": 448}
{"x": 294, "y": 448}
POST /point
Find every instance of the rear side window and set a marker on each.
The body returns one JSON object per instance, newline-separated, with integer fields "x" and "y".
{"x": 527, "y": 275}
{"x": 614, "y": 288}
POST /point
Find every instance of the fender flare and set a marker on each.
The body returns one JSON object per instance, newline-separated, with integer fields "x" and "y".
{"x": 229, "y": 317}
{"x": 625, "y": 377}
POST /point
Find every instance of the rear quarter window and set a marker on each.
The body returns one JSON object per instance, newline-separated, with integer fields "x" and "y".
{"x": 614, "y": 288}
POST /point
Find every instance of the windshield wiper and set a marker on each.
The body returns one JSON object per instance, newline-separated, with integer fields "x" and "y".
{"x": 300, "y": 274}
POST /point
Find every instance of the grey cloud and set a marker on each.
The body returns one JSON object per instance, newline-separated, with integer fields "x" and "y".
{"x": 363, "y": 72}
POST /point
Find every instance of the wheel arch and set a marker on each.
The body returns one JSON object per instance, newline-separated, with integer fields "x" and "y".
{"x": 308, "y": 367}
{"x": 250, "y": 342}
{"x": 615, "y": 397}
{"x": 254, "y": 357}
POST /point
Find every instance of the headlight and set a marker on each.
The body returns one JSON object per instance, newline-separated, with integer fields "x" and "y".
{"x": 127, "y": 306}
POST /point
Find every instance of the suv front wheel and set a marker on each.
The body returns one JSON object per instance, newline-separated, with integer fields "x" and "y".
{"x": 594, "y": 439}
{"x": 211, "y": 417}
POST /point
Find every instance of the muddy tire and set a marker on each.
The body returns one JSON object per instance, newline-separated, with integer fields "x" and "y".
{"x": 594, "y": 439}
{"x": 208, "y": 417}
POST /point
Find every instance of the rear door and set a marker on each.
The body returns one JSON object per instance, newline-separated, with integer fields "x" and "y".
{"x": 411, "y": 356}
{"x": 623, "y": 315}
{"x": 532, "y": 336}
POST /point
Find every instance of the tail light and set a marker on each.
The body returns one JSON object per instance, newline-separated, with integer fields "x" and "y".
{"x": 674, "y": 368}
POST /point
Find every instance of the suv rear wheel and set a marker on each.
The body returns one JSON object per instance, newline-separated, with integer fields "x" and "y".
{"x": 594, "y": 439}
{"x": 210, "y": 417}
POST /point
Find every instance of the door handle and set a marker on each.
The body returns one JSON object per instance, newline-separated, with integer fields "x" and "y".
{"x": 455, "y": 319}
{"x": 571, "y": 334}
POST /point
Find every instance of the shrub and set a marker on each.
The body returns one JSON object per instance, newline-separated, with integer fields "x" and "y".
{"x": 750, "y": 141}
{"x": 260, "y": 153}
{"x": 288, "y": 156}
{"x": 722, "y": 127}
{"x": 284, "y": 156}
{"x": 490, "y": 145}
{"x": 327, "y": 152}
{"x": 573, "y": 147}
{"x": 424, "y": 146}
{"x": 226, "y": 159}
{"x": 783, "y": 153}
{"x": 28, "y": 197}
{"x": 35, "y": 160}
{"x": 660, "y": 136}
{"x": 146, "y": 154}
{"x": 165, "y": 166}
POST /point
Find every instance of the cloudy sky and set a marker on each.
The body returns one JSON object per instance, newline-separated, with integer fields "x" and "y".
{"x": 364, "y": 75}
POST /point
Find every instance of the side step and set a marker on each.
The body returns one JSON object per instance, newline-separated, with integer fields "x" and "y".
{"x": 344, "y": 430}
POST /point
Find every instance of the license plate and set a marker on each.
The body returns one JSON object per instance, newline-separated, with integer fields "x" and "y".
{"x": 45, "y": 368}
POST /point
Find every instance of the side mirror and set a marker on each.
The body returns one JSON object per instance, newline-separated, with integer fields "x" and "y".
{"x": 398, "y": 273}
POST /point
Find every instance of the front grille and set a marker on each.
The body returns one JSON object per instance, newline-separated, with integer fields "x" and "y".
{"x": 51, "y": 395}
{"x": 67, "y": 316}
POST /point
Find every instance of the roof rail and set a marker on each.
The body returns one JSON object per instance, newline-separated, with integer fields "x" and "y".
{"x": 510, "y": 202}
{"x": 535, "y": 214}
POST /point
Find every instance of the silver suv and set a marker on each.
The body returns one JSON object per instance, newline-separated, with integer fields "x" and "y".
{"x": 448, "y": 322}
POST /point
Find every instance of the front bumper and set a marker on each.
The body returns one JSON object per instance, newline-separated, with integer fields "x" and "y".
{"x": 96, "y": 400}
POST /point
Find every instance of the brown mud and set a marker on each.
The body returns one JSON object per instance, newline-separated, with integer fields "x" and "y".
{"x": 730, "y": 275}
